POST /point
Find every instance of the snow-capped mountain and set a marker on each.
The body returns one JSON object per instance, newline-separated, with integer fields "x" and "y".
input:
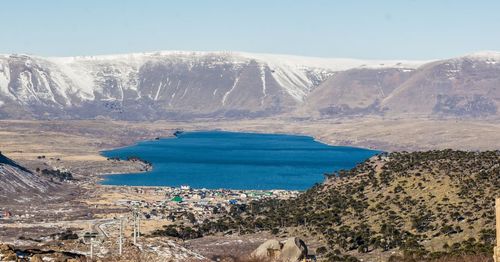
{"x": 164, "y": 84}
{"x": 180, "y": 85}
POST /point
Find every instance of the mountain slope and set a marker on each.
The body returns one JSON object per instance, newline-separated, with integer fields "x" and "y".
{"x": 467, "y": 86}
{"x": 164, "y": 84}
{"x": 186, "y": 85}
{"x": 19, "y": 185}
{"x": 422, "y": 204}
{"x": 356, "y": 91}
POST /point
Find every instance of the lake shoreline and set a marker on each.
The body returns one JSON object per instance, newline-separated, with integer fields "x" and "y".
{"x": 301, "y": 139}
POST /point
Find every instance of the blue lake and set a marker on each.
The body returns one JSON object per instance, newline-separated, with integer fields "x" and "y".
{"x": 215, "y": 159}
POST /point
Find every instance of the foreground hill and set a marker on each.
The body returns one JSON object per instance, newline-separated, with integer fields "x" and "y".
{"x": 185, "y": 85}
{"x": 421, "y": 205}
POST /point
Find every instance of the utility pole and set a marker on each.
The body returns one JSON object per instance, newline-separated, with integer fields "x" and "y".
{"x": 135, "y": 227}
{"x": 120, "y": 243}
{"x": 91, "y": 236}
{"x": 91, "y": 248}
{"x": 139, "y": 223}
{"x": 136, "y": 224}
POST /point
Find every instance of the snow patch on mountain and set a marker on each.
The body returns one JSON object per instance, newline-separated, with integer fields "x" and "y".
{"x": 263, "y": 80}
{"x": 489, "y": 57}
{"x": 4, "y": 78}
{"x": 230, "y": 90}
{"x": 183, "y": 84}
{"x": 291, "y": 72}
{"x": 333, "y": 64}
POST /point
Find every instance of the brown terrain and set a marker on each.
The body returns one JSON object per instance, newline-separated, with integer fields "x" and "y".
{"x": 83, "y": 204}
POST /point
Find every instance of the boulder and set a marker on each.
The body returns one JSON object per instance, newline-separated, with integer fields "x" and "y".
{"x": 7, "y": 253}
{"x": 9, "y": 256}
{"x": 293, "y": 250}
{"x": 5, "y": 247}
{"x": 36, "y": 258}
{"x": 268, "y": 250}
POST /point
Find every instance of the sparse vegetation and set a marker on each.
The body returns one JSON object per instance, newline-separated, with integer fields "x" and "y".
{"x": 57, "y": 174}
{"x": 429, "y": 205}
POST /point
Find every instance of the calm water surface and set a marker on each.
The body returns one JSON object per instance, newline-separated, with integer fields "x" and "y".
{"x": 214, "y": 159}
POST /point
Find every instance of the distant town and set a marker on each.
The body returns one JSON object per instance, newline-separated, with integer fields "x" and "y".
{"x": 202, "y": 203}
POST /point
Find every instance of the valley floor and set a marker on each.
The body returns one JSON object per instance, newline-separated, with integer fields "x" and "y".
{"x": 74, "y": 145}
{"x": 81, "y": 140}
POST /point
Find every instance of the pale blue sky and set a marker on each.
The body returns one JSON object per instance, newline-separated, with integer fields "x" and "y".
{"x": 381, "y": 29}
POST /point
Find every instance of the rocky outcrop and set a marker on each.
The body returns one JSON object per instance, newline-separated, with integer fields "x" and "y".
{"x": 291, "y": 250}
{"x": 269, "y": 249}
{"x": 36, "y": 258}
{"x": 7, "y": 253}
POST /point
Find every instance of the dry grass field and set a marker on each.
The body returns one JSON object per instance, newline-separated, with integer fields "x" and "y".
{"x": 74, "y": 141}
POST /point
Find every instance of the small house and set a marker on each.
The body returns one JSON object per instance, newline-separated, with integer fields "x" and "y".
{"x": 177, "y": 199}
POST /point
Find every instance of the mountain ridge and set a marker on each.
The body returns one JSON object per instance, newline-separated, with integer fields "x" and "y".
{"x": 186, "y": 85}
{"x": 297, "y": 59}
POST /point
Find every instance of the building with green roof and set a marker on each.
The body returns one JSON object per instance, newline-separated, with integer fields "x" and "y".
{"x": 177, "y": 199}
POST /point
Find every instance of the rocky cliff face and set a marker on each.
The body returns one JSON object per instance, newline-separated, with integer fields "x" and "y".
{"x": 185, "y": 85}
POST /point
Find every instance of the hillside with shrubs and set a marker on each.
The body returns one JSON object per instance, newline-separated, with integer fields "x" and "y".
{"x": 402, "y": 206}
